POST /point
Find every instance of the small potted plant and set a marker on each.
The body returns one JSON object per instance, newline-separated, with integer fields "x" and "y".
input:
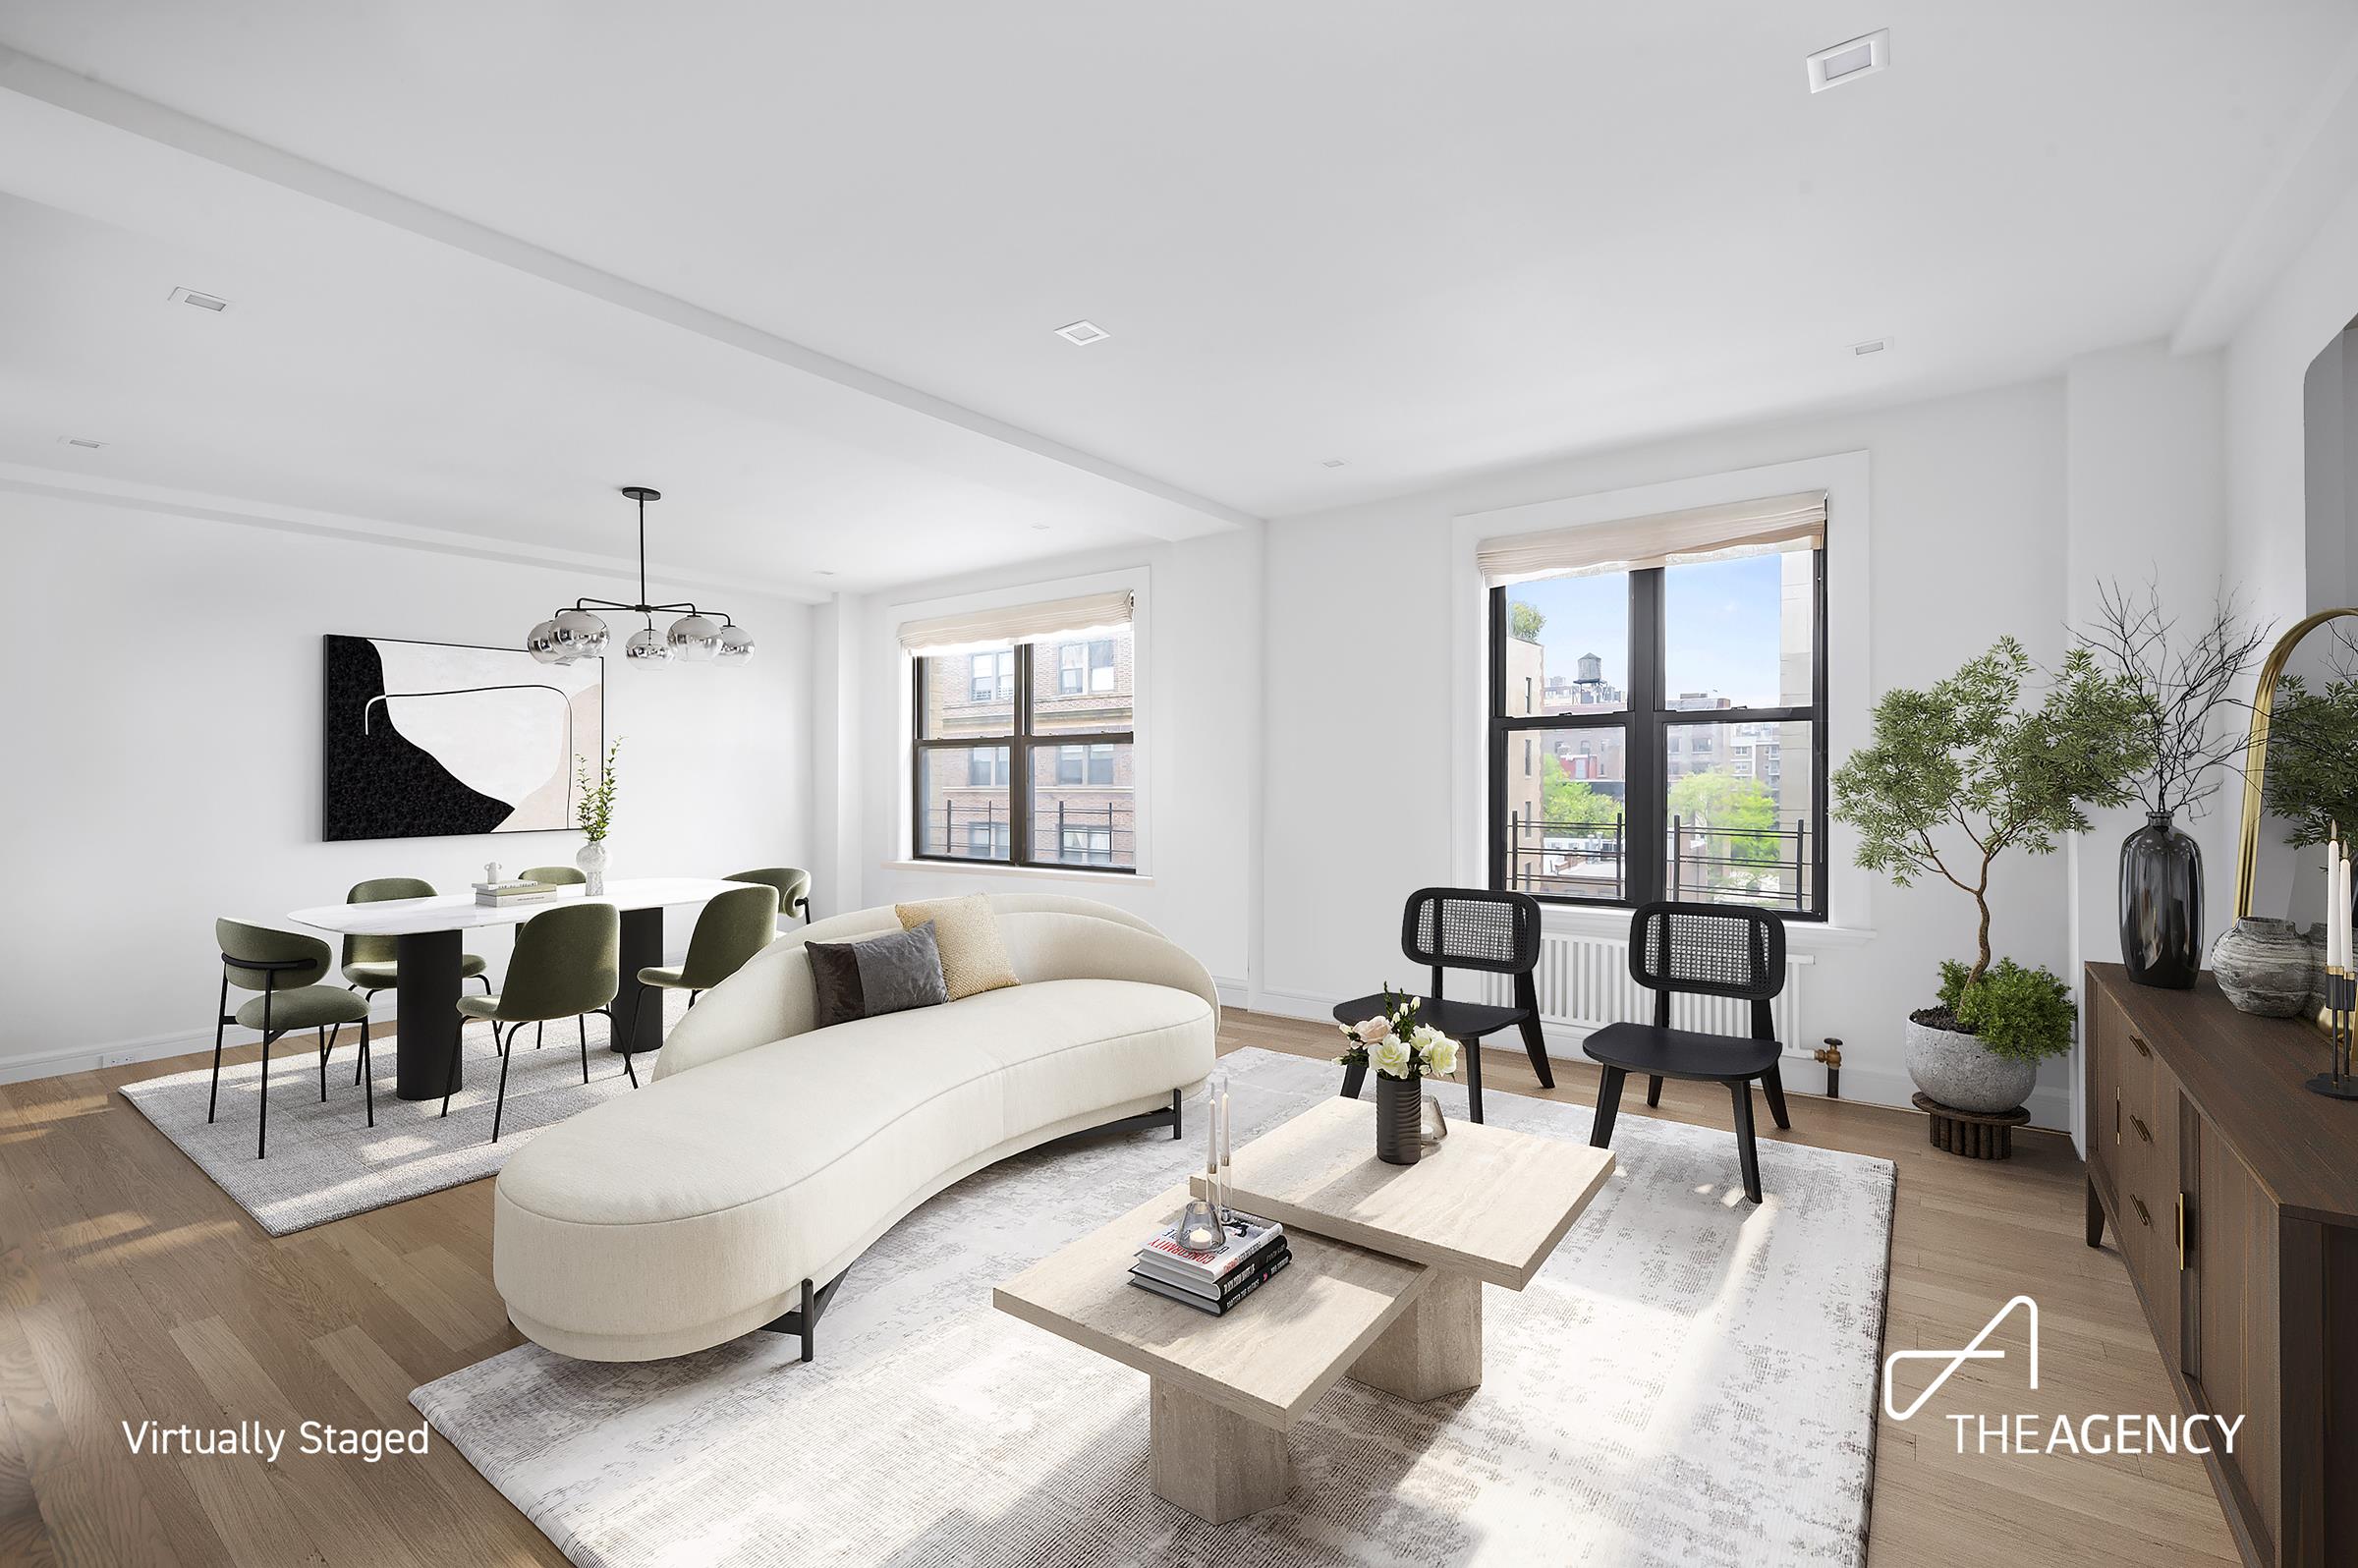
{"x": 1957, "y": 774}
{"x": 1403, "y": 1052}
{"x": 595, "y": 811}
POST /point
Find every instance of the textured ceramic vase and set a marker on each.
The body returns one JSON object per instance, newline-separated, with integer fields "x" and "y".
{"x": 1953, "y": 1068}
{"x": 593, "y": 863}
{"x": 1399, "y": 1107}
{"x": 2160, "y": 905}
{"x": 2268, "y": 967}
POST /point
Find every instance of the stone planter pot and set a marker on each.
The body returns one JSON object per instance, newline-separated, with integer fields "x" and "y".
{"x": 2268, "y": 967}
{"x": 1954, "y": 1068}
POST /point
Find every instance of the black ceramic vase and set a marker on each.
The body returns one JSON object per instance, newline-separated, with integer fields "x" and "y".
{"x": 2162, "y": 905}
{"x": 1399, "y": 1102}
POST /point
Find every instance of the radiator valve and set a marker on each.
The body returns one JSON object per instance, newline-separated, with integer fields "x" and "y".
{"x": 1831, "y": 1054}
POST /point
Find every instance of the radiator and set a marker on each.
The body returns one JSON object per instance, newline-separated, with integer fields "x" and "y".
{"x": 1584, "y": 983}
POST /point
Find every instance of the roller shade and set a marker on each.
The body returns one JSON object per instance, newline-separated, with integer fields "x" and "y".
{"x": 1667, "y": 538}
{"x": 1018, "y": 622}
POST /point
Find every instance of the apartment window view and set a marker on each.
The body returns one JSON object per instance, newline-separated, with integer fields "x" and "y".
{"x": 1024, "y": 752}
{"x": 1658, "y": 732}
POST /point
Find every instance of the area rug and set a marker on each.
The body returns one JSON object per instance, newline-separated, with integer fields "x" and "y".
{"x": 326, "y": 1163}
{"x": 1689, "y": 1383}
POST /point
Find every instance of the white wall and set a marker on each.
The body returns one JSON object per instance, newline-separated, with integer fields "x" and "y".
{"x": 162, "y": 724}
{"x": 1200, "y": 730}
{"x": 2331, "y": 423}
{"x": 1969, "y": 518}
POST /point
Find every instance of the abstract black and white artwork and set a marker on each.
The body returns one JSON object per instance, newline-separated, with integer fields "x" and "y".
{"x": 428, "y": 740}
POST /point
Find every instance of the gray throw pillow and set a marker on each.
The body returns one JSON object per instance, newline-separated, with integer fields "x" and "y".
{"x": 881, "y": 975}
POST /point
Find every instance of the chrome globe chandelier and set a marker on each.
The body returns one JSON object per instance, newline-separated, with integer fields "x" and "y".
{"x": 700, "y": 636}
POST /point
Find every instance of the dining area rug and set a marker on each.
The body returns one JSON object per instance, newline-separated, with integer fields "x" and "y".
{"x": 325, "y": 1162}
{"x": 1690, "y": 1383}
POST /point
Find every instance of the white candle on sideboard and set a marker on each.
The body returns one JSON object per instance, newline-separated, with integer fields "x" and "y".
{"x": 2338, "y": 916}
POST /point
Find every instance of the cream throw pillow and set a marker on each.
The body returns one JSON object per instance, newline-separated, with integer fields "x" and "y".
{"x": 973, "y": 958}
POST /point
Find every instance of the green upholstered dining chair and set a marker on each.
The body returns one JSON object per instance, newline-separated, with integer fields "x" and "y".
{"x": 567, "y": 962}
{"x": 368, "y": 963}
{"x": 285, "y": 968}
{"x": 554, "y": 876}
{"x": 792, "y": 883}
{"x": 733, "y": 928}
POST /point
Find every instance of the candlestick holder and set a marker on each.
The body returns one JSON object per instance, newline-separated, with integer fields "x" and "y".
{"x": 2342, "y": 1002}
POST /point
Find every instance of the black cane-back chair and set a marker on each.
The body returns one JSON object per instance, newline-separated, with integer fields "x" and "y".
{"x": 1700, "y": 950}
{"x": 1468, "y": 928}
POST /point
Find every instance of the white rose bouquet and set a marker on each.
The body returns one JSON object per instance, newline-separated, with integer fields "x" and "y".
{"x": 1396, "y": 1046}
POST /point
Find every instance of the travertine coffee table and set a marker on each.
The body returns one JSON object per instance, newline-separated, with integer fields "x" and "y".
{"x": 1486, "y": 1206}
{"x": 1385, "y": 1286}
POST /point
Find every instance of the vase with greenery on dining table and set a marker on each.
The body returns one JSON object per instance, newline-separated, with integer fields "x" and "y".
{"x": 594, "y": 813}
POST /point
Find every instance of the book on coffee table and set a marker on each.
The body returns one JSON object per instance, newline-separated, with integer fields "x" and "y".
{"x": 1154, "y": 1265}
{"x": 1248, "y": 1236}
{"x": 1241, "y": 1283}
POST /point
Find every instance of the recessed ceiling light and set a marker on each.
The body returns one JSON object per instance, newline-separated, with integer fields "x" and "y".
{"x": 1847, "y": 62}
{"x": 821, "y": 571}
{"x": 1871, "y": 346}
{"x": 82, "y": 441}
{"x": 1041, "y": 528}
{"x": 1330, "y": 463}
{"x": 202, "y": 302}
{"x": 1082, "y": 333}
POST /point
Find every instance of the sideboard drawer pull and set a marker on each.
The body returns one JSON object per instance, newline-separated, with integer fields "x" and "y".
{"x": 2145, "y": 1216}
{"x": 2143, "y": 1131}
{"x": 2143, "y": 1049}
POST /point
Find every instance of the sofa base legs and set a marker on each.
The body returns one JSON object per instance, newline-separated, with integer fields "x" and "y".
{"x": 804, "y": 1319}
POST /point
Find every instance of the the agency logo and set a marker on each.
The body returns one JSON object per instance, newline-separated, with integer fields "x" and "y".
{"x": 2130, "y": 1432}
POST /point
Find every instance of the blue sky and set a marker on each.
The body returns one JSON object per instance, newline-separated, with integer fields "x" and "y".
{"x": 1721, "y": 626}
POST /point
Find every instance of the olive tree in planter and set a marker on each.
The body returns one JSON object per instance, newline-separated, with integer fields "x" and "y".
{"x": 1957, "y": 775}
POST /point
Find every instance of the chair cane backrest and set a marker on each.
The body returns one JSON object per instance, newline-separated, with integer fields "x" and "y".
{"x": 567, "y": 960}
{"x": 733, "y": 928}
{"x": 364, "y": 949}
{"x": 259, "y": 944}
{"x": 1709, "y": 950}
{"x": 1472, "y": 927}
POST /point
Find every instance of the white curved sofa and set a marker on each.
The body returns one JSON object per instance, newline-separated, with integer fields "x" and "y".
{"x": 765, "y": 1156}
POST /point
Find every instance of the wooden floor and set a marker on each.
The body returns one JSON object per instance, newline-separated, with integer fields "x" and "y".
{"x": 132, "y": 1288}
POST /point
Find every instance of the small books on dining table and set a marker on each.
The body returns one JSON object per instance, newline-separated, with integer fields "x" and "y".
{"x": 498, "y": 894}
{"x": 1212, "y": 1281}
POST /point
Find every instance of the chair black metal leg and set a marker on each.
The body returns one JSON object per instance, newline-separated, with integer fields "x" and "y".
{"x": 1747, "y": 1152}
{"x": 322, "y": 1034}
{"x": 1608, "y": 1105}
{"x": 538, "y": 1038}
{"x": 692, "y": 996}
{"x": 1353, "y": 1077}
{"x": 608, "y": 1014}
{"x": 220, "y": 1023}
{"x": 261, "y": 1129}
{"x": 1654, "y": 1091}
{"x": 367, "y": 1078}
{"x": 1474, "y": 1078}
{"x": 580, "y": 1022}
{"x": 452, "y": 1082}
{"x": 486, "y": 979}
{"x": 499, "y": 1107}
{"x": 1535, "y": 1039}
{"x": 358, "y": 1067}
{"x": 1772, "y": 1085}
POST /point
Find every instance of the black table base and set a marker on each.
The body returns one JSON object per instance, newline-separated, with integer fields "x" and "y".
{"x": 426, "y": 1025}
{"x": 638, "y": 1009}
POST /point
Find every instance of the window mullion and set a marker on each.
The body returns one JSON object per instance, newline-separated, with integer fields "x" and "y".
{"x": 1019, "y": 763}
{"x": 1644, "y": 792}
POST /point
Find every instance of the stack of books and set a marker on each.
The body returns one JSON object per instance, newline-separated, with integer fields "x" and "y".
{"x": 498, "y": 895}
{"x": 1213, "y": 1282}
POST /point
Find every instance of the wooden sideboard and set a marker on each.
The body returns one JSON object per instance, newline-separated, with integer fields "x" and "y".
{"x": 2232, "y": 1193}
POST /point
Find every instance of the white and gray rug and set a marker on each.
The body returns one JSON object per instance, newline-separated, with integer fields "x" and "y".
{"x": 326, "y": 1163}
{"x": 1690, "y": 1383}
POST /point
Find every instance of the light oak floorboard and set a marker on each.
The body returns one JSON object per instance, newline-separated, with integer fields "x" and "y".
{"x": 132, "y": 1288}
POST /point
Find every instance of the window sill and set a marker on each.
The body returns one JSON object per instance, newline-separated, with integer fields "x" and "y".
{"x": 1047, "y": 873}
{"x": 1805, "y": 937}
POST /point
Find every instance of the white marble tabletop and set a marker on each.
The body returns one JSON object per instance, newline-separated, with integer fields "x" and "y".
{"x": 457, "y": 911}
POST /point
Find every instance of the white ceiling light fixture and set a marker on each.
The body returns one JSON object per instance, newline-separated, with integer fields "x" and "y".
{"x": 1847, "y": 62}
{"x": 695, "y": 637}
{"x": 1871, "y": 346}
{"x": 1330, "y": 463}
{"x": 202, "y": 302}
{"x": 1084, "y": 333}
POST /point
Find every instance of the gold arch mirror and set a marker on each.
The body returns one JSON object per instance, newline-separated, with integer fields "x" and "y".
{"x": 2280, "y": 662}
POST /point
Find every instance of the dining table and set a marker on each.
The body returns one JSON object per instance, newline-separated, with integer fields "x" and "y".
{"x": 430, "y": 934}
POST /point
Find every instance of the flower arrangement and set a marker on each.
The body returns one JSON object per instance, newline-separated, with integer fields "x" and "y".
{"x": 1396, "y": 1046}
{"x": 594, "y": 810}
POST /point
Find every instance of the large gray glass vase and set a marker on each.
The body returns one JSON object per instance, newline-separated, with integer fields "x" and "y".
{"x": 2162, "y": 905}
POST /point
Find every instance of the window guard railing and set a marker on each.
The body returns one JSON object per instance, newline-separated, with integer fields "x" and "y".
{"x": 946, "y": 829}
{"x": 1590, "y": 862}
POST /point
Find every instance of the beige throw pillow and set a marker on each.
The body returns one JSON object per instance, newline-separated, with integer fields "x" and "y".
{"x": 973, "y": 958}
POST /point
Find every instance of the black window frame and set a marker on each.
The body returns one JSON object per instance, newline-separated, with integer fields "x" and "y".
{"x": 1020, "y": 739}
{"x": 1645, "y": 722}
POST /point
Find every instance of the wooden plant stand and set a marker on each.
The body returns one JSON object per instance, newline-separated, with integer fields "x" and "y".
{"x": 1973, "y": 1134}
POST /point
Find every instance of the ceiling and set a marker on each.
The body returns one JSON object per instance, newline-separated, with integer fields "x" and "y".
{"x": 798, "y": 265}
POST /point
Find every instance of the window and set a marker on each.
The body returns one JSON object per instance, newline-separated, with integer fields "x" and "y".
{"x": 1023, "y": 752}
{"x": 1679, "y": 710}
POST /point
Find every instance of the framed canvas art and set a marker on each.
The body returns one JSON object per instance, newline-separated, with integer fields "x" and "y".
{"x": 430, "y": 740}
